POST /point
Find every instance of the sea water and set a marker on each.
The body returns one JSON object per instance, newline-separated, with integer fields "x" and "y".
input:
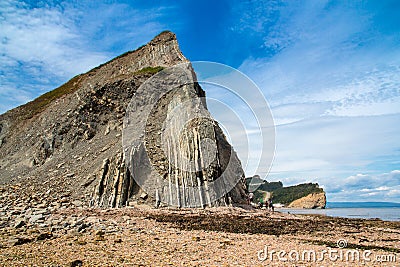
{"x": 361, "y": 210}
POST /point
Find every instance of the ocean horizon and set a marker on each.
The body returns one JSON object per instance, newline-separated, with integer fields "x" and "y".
{"x": 372, "y": 204}
{"x": 386, "y": 211}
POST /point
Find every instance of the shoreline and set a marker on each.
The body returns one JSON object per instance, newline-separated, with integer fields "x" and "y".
{"x": 367, "y": 213}
{"x": 142, "y": 236}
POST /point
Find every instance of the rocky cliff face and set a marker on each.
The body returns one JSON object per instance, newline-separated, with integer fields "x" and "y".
{"x": 69, "y": 142}
{"x": 311, "y": 201}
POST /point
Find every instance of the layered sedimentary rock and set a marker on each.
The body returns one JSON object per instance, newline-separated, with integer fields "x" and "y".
{"x": 69, "y": 142}
{"x": 311, "y": 201}
{"x": 178, "y": 154}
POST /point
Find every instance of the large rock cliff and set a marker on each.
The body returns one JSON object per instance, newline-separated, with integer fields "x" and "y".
{"x": 68, "y": 142}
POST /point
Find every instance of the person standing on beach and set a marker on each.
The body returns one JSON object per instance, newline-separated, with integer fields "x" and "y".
{"x": 270, "y": 205}
{"x": 250, "y": 199}
{"x": 260, "y": 203}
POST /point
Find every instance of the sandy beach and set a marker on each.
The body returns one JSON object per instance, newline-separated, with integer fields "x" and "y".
{"x": 229, "y": 236}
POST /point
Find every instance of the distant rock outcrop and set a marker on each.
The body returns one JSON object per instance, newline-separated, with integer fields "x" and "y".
{"x": 306, "y": 196}
{"x": 311, "y": 201}
{"x": 69, "y": 141}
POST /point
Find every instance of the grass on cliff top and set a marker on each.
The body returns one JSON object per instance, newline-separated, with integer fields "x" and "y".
{"x": 150, "y": 70}
{"x": 36, "y": 106}
{"x": 39, "y": 104}
{"x": 286, "y": 195}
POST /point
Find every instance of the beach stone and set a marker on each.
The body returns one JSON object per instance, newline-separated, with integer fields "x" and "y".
{"x": 44, "y": 236}
{"x": 42, "y": 206}
{"x": 77, "y": 203}
{"x": 19, "y": 223}
{"x": 92, "y": 219}
{"x": 99, "y": 235}
{"x": 83, "y": 227}
{"x": 41, "y": 211}
{"x": 15, "y": 212}
{"x": 76, "y": 263}
{"x": 19, "y": 241}
{"x": 35, "y": 218}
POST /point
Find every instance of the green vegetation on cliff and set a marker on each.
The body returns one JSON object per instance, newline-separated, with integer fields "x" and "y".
{"x": 286, "y": 195}
{"x": 280, "y": 194}
{"x": 151, "y": 70}
{"x": 36, "y": 106}
{"x": 263, "y": 185}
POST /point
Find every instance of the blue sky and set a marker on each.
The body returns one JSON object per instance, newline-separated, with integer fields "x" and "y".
{"x": 330, "y": 71}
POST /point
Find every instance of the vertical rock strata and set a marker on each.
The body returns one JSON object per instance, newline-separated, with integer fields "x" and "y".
{"x": 175, "y": 150}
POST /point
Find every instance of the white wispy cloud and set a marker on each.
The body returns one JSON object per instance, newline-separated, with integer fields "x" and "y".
{"x": 333, "y": 83}
{"x": 43, "y": 46}
{"x": 44, "y": 37}
{"x": 333, "y": 54}
{"x": 343, "y": 142}
{"x": 358, "y": 187}
{"x": 364, "y": 187}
